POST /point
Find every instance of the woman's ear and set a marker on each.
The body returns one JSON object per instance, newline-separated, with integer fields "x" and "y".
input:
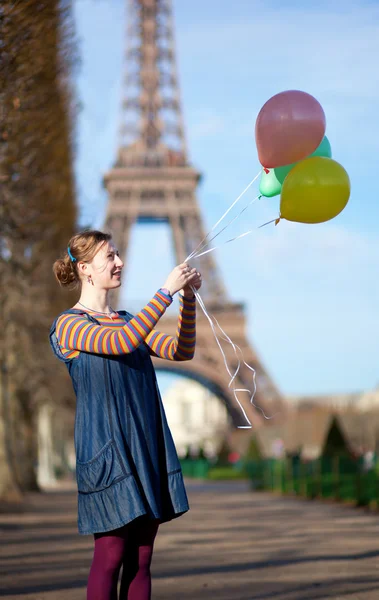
{"x": 82, "y": 267}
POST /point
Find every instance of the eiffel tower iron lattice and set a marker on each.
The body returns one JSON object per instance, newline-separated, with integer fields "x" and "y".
{"x": 152, "y": 180}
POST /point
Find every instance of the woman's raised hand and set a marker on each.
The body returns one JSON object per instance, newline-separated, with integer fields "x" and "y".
{"x": 181, "y": 277}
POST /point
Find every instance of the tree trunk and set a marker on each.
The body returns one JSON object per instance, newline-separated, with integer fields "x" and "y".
{"x": 25, "y": 445}
{"x": 46, "y": 474}
{"x": 9, "y": 489}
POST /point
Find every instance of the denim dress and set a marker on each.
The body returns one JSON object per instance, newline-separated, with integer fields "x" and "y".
{"x": 126, "y": 461}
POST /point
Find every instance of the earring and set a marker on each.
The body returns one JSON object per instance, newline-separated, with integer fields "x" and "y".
{"x": 89, "y": 279}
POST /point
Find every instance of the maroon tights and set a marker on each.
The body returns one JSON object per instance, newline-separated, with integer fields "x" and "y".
{"x": 131, "y": 547}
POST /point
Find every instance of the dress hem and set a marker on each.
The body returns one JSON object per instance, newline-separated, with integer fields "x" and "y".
{"x": 97, "y": 510}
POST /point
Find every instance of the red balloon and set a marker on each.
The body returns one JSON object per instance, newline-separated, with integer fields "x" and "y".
{"x": 289, "y": 127}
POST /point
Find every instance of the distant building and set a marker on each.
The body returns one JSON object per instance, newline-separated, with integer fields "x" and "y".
{"x": 198, "y": 419}
{"x": 369, "y": 400}
{"x": 360, "y": 401}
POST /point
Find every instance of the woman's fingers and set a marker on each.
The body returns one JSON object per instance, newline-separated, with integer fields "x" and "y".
{"x": 185, "y": 268}
{"x": 192, "y": 276}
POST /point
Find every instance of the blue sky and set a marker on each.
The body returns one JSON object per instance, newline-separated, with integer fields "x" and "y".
{"x": 311, "y": 292}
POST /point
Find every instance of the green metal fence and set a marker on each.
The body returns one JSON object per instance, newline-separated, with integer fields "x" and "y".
{"x": 197, "y": 468}
{"x": 339, "y": 477}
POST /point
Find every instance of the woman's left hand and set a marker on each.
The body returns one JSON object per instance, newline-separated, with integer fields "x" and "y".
{"x": 195, "y": 282}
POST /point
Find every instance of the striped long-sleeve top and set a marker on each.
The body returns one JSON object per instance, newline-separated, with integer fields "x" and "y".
{"x": 114, "y": 336}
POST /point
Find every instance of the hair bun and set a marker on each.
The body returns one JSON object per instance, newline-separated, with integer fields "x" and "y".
{"x": 65, "y": 272}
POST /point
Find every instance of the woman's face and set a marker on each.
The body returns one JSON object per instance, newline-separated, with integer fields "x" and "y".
{"x": 106, "y": 266}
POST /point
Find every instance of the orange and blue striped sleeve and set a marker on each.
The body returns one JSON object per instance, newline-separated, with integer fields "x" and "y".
{"x": 75, "y": 332}
{"x": 182, "y": 346}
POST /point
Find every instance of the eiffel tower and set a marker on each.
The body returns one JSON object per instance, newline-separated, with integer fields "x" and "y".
{"x": 152, "y": 180}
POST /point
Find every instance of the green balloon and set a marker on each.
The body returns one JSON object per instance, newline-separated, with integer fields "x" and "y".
{"x": 269, "y": 185}
{"x": 271, "y": 182}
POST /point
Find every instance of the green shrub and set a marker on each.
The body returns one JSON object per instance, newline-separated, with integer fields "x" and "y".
{"x": 224, "y": 473}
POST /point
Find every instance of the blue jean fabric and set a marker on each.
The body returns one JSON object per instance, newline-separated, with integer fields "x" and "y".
{"x": 126, "y": 461}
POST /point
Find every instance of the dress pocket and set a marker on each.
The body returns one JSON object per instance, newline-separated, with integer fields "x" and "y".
{"x": 100, "y": 472}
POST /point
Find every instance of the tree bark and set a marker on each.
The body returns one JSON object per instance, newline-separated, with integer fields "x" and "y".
{"x": 9, "y": 489}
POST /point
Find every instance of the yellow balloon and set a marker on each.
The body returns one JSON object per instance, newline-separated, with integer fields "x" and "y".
{"x": 317, "y": 189}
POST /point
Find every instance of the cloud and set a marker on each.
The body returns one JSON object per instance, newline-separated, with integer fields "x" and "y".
{"x": 316, "y": 248}
{"x": 328, "y": 264}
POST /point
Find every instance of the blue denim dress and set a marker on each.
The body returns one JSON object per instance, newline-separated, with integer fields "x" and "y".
{"x": 126, "y": 461}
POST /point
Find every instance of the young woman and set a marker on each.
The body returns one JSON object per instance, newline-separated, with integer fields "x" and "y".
{"x": 127, "y": 470}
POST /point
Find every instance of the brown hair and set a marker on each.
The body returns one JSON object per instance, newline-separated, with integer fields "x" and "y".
{"x": 83, "y": 247}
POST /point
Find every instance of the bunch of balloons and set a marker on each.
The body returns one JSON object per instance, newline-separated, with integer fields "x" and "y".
{"x": 297, "y": 159}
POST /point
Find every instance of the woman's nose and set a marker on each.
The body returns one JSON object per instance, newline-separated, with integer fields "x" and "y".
{"x": 119, "y": 262}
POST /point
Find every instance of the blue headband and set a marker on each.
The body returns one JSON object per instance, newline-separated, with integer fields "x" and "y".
{"x": 70, "y": 255}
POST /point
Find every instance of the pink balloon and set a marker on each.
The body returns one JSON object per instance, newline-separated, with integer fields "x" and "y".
{"x": 289, "y": 127}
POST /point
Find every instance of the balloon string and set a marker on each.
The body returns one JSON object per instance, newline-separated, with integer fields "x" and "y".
{"x": 268, "y": 223}
{"x": 198, "y": 253}
{"x": 276, "y": 221}
{"x": 201, "y": 244}
{"x": 195, "y": 254}
{"x": 235, "y": 347}
{"x": 224, "y": 243}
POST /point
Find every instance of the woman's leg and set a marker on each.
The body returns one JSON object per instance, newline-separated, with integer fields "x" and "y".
{"x": 106, "y": 564}
{"x": 136, "y": 577}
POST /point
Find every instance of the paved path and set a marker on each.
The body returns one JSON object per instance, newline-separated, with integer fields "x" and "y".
{"x": 232, "y": 545}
